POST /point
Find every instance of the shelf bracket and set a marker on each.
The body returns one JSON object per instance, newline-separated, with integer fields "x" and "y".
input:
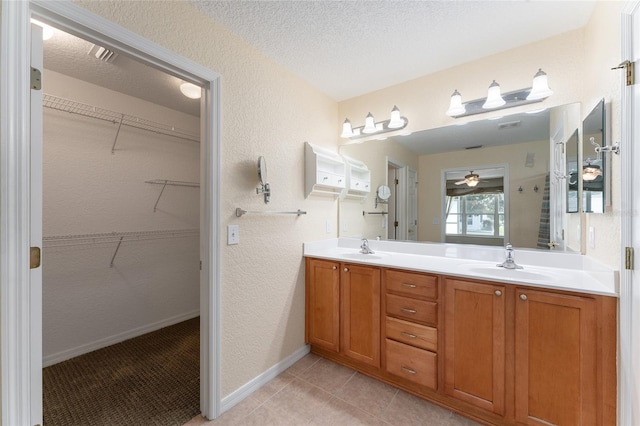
{"x": 115, "y": 252}
{"x": 155, "y": 207}
{"x": 113, "y": 147}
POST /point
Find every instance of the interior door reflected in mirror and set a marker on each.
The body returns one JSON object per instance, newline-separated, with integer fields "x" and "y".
{"x": 573, "y": 176}
{"x": 594, "y": 167}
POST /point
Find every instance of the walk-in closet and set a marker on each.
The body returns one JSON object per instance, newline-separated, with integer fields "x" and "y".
{"x": 121, "y": 263}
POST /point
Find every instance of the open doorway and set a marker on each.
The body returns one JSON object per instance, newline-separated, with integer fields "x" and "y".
{"x": 120, "y": 271}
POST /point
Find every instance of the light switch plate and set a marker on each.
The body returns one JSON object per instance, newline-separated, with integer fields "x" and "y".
{"x": 233, "y": 234}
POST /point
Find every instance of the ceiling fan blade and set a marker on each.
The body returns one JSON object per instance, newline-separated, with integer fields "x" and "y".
{"x": 460, "y": 182}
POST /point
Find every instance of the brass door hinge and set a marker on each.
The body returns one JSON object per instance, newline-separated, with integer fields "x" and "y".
{"x": 34, "y": 257}
{"x": 628, "y": 258}
{"x": 36, "y": 79}
{"x": 628, "y": 67}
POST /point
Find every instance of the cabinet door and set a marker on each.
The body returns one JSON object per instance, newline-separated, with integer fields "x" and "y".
{"x": 474, "y": 334}
{"x": 361, "y": 313}
{"x": 555, "y": 361}
{"x": 323, "y": 303}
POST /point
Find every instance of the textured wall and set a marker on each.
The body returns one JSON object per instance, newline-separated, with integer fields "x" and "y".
{"x": 88, "y": 190}
{"x": 265, "y": 111}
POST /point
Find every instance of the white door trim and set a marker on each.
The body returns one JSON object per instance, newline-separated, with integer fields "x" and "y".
{"x": 17, "y": 398}
{"x": 628, "y": 367}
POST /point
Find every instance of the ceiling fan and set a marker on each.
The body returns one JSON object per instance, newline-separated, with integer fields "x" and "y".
{"x": 472, "y": 179}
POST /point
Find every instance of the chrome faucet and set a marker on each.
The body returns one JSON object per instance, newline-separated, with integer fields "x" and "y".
{"x": 510, "y": 261}
{"x": 364, "y": 247}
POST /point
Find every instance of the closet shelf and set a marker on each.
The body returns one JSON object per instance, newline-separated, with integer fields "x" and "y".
{"x": 115, "y": 237}
{"x": 74, "y": 107}
{"x": 165, "y": 183}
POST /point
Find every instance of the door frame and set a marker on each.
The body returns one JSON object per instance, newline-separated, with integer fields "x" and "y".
{"x": 629, "y": 336}
{"x": 15, "y": 153}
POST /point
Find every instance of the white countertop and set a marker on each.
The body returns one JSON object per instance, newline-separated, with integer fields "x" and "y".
{"x": 553, "y": 270}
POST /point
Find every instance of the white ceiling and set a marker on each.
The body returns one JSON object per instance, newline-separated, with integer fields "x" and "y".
{"x": 344, "y": 48}
{"x": 348, "y": 48}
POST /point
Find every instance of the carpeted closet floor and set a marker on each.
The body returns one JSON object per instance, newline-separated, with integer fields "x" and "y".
{"x": 152, "y": 379}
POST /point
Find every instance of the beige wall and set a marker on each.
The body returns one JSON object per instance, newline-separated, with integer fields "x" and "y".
{"x": 268, "y": 111}
{"x": 577, "y": 63}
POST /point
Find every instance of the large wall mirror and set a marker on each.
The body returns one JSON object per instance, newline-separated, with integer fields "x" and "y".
{"x": 528, "y": 208}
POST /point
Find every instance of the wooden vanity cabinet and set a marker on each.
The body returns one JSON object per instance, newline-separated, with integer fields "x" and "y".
{"x": 343, "y": 309}
{"x": 323, "y": 303}
{"x": 475, "y": 341}
{"x": 564, "y": 358}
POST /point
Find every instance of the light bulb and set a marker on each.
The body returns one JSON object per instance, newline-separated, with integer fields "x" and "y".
{"x": 369, "y": 125}
{"x": 396, "y": 121}
{"x": 540, "y": 87}
{"x": 455, "y": 105}
{"x": 494, "y": 98}
{"x": 347, "y": 130}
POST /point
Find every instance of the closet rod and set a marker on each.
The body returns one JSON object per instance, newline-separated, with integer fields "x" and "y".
{"x": 240, "y": 212}
{"x": 85, "y": 110}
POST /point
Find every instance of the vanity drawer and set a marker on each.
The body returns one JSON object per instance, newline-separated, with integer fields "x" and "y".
{"x": 411, "y": 309}
{"x": 413, "y": 364}
{"x": 411, "y": 284}
{"x": 413, "y": 334}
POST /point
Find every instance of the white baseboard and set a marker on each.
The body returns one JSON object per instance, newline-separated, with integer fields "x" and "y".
{"x": 248, "y": 388}
{"x": 111, "y": 340}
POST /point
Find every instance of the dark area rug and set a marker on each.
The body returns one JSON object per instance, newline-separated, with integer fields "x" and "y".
{"x": 152, "y": 379}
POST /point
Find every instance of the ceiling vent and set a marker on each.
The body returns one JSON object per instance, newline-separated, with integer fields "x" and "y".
{"x": 509, "y": 125}
{"x": 103, "y": 54}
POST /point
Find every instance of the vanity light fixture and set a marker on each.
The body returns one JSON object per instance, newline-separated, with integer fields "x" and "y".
{"x": 371, "y": 127}
{"x": 496, "y": 100}
{"x": 190, "y": 90}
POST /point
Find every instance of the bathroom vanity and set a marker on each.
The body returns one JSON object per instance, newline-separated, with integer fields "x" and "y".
{"x": 441, "y": 321}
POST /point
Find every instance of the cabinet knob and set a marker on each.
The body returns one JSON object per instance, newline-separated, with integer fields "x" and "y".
{"x": 498, "y": 293}
{"x": 523, "y": 296}
{"x": 346, "y": 269}
{"x": 334, "y": 267}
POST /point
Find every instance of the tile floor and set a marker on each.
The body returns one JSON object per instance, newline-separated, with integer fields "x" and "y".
{"x": 315, "y": 391}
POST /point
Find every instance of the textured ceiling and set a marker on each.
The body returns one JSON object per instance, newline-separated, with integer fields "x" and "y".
{"x": 348, "y": 48}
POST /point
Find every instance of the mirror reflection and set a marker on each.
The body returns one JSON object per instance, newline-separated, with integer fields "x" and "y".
{"x": 529, "y": 208}
{"x": 593, "y": 166}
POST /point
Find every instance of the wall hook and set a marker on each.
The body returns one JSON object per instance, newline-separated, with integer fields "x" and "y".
{"x": 535, "y": 188}
{"x": 520, "y": 189}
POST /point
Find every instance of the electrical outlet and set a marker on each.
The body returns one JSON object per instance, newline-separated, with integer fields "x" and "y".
{"x": 233, "y": 234}
{"x": 592, "y": 237}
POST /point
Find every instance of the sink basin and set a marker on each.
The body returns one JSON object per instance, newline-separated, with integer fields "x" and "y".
{"x": 362, "y": 256}
{"x": 511, "y": 274}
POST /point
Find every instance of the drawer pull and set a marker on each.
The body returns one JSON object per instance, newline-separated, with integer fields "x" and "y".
{"x": 409, "y": 285}
{"x": 408, "y": 370}
{"x": 412, "y": 336}
{"x": 409, "y": 311}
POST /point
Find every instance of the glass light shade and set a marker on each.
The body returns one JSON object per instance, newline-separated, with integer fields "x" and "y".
{"x": 369, "y": 125}
{"x": 347, "y": 130}
{"x": 47, "y": 31}
{"x": 455, "y": 105}
{"x": 191, "y": 90}
{"x": 540, "y": 87}
{"x": 494, "y": 98}
{"x": 473, "y": 181}
{"x": 591, "y": 172}
{"x": 396, "y": 121}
